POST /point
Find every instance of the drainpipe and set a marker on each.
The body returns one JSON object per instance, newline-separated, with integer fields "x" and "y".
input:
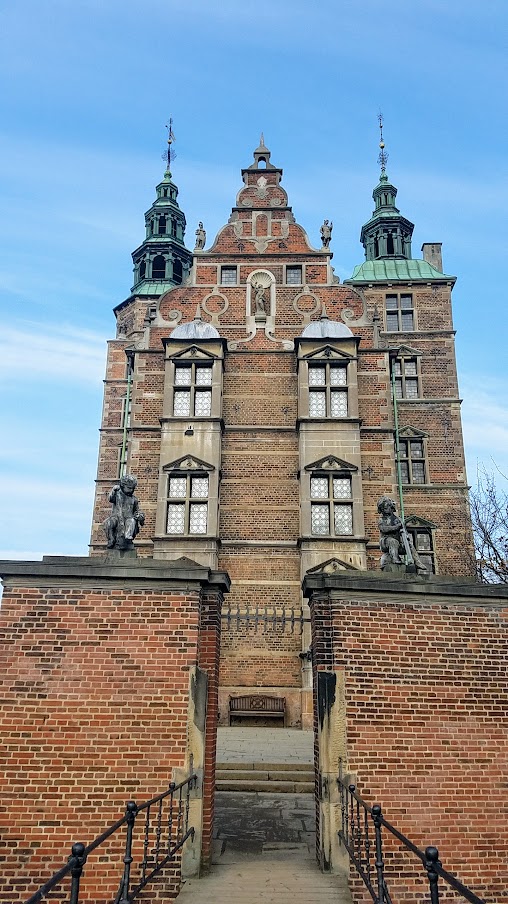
{"x": 123, "y": 453}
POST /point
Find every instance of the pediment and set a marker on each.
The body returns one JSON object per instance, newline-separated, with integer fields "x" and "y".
{"x": 331, "y": 566}
{"x": 409, "y": 432}
{"x": 331, "y": 463}
{"x": 416, "y": 521}
{"x": 188, "y": 463}
{"x": 404, "y": 351}
{"x": 328, "y": 353}
{"x": 193, "y": 352}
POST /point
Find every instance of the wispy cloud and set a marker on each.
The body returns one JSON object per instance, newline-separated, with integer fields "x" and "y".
{"x": 485, "y": 422}
{"x": 41, "y": 351}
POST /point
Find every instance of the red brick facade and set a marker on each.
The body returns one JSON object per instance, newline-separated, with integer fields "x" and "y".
{"x": 263, "y": 437}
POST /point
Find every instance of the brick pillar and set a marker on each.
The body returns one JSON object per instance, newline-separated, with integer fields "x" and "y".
{"x": 329, "y": 733}
{"x": 208, "y": 661}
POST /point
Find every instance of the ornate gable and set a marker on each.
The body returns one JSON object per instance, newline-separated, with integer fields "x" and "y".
{"x": 188, "y": 463}
{"x": 410, "y": 432}
{"x": 416, "y": 521}
{"x": 193, "y": 352}
{"x": 404, "y": 351}
{"x": 331, "y": 463}
{"x": 328, "y": 352}
{"x": 331, "y": 566}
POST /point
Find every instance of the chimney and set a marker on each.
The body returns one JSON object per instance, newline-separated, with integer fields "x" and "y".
{"x": 432, "y": 254}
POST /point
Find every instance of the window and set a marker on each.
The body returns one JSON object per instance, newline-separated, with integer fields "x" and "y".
{"x": 162, "y": 226}
{"x": 406, "y": 378}
{"x": 193, "y": 390}
{"x": 331, "y": 509}
{"x": 293, "y": 276}
{"x": 142, "y": 269}
{"x": 399, "y": 313}
{"x": 177, "y": 271}
{"x": 173, "y": 228}
{"x": 412, "y": 461}
{"x": 158, "y": 267}
{"x": 228, "y": 276}
{"x": 187, "y": 506}
{"x": 422, "y": 542}
{"x": 328, "y": 390}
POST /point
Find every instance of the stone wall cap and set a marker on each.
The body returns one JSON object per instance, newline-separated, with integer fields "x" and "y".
{"x": 425, "y": 585}
{"x": 109, "y": 567}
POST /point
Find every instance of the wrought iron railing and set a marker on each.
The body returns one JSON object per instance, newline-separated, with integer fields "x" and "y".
{"x": 362, "y": 836}
{"x": 263, "y": 617}
{"x": 164, "y": 824}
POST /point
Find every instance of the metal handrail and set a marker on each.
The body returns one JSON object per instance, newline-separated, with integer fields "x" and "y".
{"x": 174, "y": 823}
{"x": 354, "y": 835}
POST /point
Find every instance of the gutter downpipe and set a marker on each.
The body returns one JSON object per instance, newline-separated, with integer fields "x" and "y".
{"x": 123, "y": 453}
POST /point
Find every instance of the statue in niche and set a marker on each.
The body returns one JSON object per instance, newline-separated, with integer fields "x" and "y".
{"x": 394, "y": 539}
{"x": 125, "y": 520}
{"x": 260, "y": 300}
{"x": 326, "y": 233}
{"x": 200, "y": 237}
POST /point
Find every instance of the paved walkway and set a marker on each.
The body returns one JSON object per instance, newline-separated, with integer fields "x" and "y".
{"x": 264, "y": 745}
{"x": 264, "y": 853}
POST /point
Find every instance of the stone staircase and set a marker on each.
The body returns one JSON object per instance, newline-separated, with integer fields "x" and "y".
{"x": 276, "y": 778}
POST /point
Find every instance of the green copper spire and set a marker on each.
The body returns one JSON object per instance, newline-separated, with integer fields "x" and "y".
{"x": 387, "y": 234}
{"x": 162, "y": 261}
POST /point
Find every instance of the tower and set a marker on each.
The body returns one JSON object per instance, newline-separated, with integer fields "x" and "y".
{"x": 255, "y": 406}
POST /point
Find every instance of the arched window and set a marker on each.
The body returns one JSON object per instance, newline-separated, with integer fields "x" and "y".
{"x": 142, "y": 269}
{"x": 159, "y": 267}
{"x": 177, "y": 271}
{"x": 262, "y": 163}
{"x": 389, "y": 244}
{"x": 162, "y": 225}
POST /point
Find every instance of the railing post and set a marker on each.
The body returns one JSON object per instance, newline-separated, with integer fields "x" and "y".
{"x": 380, "y": 864}
{"x": 79, "y": 859}
{"x": 131, "y": 811}
{"x": 432, "y": 859}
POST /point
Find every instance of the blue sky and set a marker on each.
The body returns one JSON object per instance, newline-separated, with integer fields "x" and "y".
{"x": 87, "y": 89}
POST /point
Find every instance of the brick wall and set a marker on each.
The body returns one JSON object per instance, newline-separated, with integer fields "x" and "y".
{"x": 94, "y": 709}
{"x": 426, "y": 716}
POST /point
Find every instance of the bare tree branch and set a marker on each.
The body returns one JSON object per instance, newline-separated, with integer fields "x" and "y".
{"x": 489, "y": 516}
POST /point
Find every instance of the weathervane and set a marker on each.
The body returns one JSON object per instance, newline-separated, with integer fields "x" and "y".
{"x": 383, "y": 156}
{"x": 169, "y": 155}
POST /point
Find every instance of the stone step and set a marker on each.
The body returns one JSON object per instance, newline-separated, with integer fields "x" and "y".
{"x": 263, "y": 766}
{"x": 274, "y": 786}
{"x": 266, "y": 775}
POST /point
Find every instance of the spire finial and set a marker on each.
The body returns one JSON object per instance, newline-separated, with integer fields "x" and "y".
{"x": 169, "y": 155}
{"x": 383, "y": 156}
{"x": 262, "y": 141}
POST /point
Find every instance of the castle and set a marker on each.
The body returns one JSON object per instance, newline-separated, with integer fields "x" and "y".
{"x": 265, "y": 408}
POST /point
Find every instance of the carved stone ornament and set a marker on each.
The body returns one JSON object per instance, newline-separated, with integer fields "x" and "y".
{"x": 215, "y": 315}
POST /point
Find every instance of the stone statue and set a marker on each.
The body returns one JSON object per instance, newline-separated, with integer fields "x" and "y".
{"x": 259, "y": 299}
{"x": 326, "y": 233}
{"x": 200, "y": 237}
{"x": 390, "y": 529}
{"x": 394, "y": 538}
{"x": 125, "y": 520}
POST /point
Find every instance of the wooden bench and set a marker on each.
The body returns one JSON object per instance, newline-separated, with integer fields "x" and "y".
{"x": 257, "y": 706}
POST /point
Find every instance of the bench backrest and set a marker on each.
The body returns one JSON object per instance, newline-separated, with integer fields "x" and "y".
{"x": 257, "y": 703}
